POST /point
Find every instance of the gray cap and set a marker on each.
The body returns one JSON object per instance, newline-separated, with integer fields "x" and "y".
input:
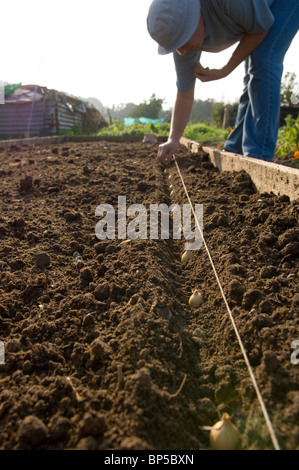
{"x": 171, "y": 23}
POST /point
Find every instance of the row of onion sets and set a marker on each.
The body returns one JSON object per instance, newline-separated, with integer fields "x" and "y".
{"x": 223, "y": 435}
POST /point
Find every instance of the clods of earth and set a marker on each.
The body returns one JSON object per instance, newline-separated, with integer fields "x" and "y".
{"x": 100, "y": 348}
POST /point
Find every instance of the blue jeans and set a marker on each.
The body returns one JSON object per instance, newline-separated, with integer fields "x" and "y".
{"x": 257, "y": 122}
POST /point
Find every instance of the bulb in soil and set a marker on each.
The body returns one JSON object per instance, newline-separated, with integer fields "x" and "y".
{"x": 224, "y": 435}
{"x": 195, "y": 299}
{"x": 186, "y": 256}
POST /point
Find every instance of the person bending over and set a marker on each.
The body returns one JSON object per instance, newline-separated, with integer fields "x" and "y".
{"x": 263, "y": 31}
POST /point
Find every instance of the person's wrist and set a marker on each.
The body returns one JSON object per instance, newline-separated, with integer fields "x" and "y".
{"x": 226, "y": 70}
{"x": 173, "y": 140}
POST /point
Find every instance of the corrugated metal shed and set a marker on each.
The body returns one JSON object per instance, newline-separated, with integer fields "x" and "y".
{"x": 38, "y": 111}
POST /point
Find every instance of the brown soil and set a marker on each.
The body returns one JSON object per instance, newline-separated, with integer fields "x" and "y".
{"x": 105, "y": 353}
{"x": 287, "y": 160}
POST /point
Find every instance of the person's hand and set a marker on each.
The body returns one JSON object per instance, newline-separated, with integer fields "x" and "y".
{"x": 167, "y": 150}
{"x": 207, "y": 75}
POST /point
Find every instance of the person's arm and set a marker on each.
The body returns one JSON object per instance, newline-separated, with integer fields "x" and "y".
{"x": 246, "y": 46}
{"x": 180, "y": 117}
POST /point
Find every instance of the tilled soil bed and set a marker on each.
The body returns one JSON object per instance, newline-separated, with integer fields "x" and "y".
{"x": 102, "y": 350}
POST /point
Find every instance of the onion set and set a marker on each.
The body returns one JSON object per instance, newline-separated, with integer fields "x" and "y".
{"x": 224, "y": 435}
{"x": 186, "y": 256}
{"x": 195, "y": 299}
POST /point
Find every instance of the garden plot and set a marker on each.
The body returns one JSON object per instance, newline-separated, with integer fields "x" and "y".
{"x": 102, "y": 350}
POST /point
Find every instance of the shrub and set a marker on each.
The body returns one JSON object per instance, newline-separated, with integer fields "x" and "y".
{"x": 199, "y": 132}
{"x": 288, "y": 137}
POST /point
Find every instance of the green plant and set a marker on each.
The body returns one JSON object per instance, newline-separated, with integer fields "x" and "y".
{"x": 119, "y": 129}
{"x": 203, "y": 133}
{"x": 76, "y": 130}
{"x": 288, "y": 137}
{"x": 198, "y": 132}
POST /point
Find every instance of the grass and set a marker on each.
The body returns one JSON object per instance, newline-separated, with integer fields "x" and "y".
{"x": 119, "y": 129}
{"x": 203, "y": 133}
{"x": 199, "y": 132}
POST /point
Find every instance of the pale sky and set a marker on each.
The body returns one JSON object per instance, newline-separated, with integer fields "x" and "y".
{"x": 101, "y": 49}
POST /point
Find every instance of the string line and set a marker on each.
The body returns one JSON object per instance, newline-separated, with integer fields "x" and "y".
{"x": 256, "y": 387}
